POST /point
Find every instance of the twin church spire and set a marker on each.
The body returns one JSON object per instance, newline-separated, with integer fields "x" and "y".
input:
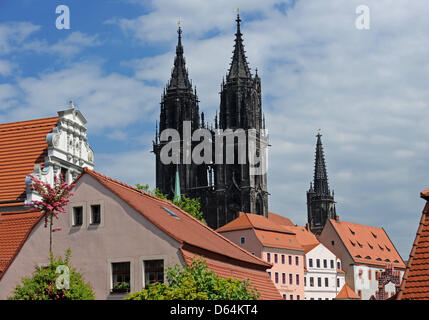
{"x": 224, "y": 188}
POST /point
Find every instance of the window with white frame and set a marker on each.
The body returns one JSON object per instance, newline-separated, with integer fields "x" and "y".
{"x": 77, "y": 218}
{"x": 121, "y": 275}
{"x": 153, "y": 271}
{"x": 95, "y": 214}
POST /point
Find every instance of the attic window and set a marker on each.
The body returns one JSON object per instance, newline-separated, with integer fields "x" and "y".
{"x": 353, "y": 233}
{"x": 396, "y": 261}
{"x": 387, "y": 260}
{"x": 387, "y": 248}
{"x": 360, "y": 246}
{"x": 171, "y": 213}
{"x": 358, "y": 256}
{"x": 368, "y": 257}
{"x": 378, "y": 259}
{"x": 374, "y": 235}
{"x": 277, "y": 239}
{"x": 382, "y": 249}
{"x": 353, "y": 244}
{"x": 370, "y": 246}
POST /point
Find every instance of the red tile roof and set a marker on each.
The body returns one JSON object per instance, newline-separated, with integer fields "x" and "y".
{"x": 14, "y": 230}
{"x": 347, "y": 293}
{"x": 184, "y": 228}
{"x": 304, "y": 236}
{"x": 22, "y": 145}
{"x": 367, "y": 244}
{"x": 268, "y": 233}
{"x": 278, "y": 219}
{"x": 258, "y": 279}
{"x": 415, "y": 284}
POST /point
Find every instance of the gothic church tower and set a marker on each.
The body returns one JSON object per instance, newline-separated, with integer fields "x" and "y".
{"x": 320, "y": 201}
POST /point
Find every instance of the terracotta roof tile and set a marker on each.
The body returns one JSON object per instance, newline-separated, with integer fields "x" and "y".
{"x": 415, "y": 284}
{"x": 258, "y": 279}
{"x": 280, "y": 220}
{"x": 347, "y": 293}
{"x": 268, "y": 233}
{"x": 14, "y": 230}
{"x": 22, "y": 145}
{"x": 184, "y": 228}
{"x": 367, "y": 244}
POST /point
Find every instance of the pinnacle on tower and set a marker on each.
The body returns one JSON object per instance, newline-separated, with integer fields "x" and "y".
{"x": 179, "y": 75}
{"x": 239, "y": 67}
{"x": 320, "y": 176}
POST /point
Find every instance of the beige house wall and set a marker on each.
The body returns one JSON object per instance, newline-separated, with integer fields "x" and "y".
{"x": 338, "y": 248}
{"x": 123, "y": 235}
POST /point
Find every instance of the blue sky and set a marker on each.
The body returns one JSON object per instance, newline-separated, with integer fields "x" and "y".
{"x": 365, "y": 90}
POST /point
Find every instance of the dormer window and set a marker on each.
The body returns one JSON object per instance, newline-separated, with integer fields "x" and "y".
{"x": 352, "y": 232}
{"x": 242, "y": 240}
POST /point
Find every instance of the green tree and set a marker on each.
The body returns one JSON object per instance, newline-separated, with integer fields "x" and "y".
{"x": 196, "y": 282}
{"x": 190, "y": 205}
{"x": 57, "y": 281}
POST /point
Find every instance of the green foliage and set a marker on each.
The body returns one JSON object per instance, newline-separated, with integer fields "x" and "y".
{"x": 42, "y": 285}
{"x": 190, "y": 205}
{"x": 197, "y": 282}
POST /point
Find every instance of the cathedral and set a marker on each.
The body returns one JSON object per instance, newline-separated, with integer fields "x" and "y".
{"x": 224, "y": 188}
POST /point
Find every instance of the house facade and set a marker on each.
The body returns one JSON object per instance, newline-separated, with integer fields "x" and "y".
{"x": 365, "y": 252}
{"x": 121, "y": 239}
{"x": 275, "y": 245}
{"x": 324, "y": 278}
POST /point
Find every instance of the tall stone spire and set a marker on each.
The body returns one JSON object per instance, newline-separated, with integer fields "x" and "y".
{"x": 320, "y": 176}
{"x": 320, "y": 202}
{"x": 239, "y": 67}
{"x": 179, "y": 75}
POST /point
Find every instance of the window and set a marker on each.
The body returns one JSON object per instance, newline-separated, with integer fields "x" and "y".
{"x": 297, "y": 260}
{"x": 171, "y": 213}
{"x": 291, "y": 296}
{"x": 338, "y": 265}
{"x": 268, "y": 257}
{"x": 325, "y": 263}
{"x": 284, "y": 278}
{"x": 120, "y": 277}
{"x": 276, "y": 258}
{"x": 77, "y": 216}
{"x": 369, "y": 274}
{"x": 319, "y": 282}
{"x": 338, "y": 282}
{"x": 276, "y": 277}
{"x": 298, "y": 297}
{"x": 310, "y": 263}
{"x": 332, "y": 264}
{"x": 326, "y": 282}
{"x": 360, "y": 273}
{"x": 290, "y": 278}
{"x": 283, "y": 259}
{"x": 242, "y": 240}
{"x": 311, "y": 282}
{"x": 318, "y": 263}
{"x": 153, "y": 271}
{"x": 305, "y": 281}
{"x": 290, "y": 260}
{"x": 269, "y": 274}
{"x": 284, "y": 297}
{"x": 360, "y": 293}
{"x": 95, "y": 214}
{"x": 297, "y": 279}
{"x": 333, "y": 243}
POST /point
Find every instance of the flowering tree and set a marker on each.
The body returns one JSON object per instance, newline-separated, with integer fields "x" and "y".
{"x": 54, "y": 199}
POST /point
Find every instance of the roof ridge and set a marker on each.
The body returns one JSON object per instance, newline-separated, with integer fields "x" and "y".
{"x": 35, "y": 121}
